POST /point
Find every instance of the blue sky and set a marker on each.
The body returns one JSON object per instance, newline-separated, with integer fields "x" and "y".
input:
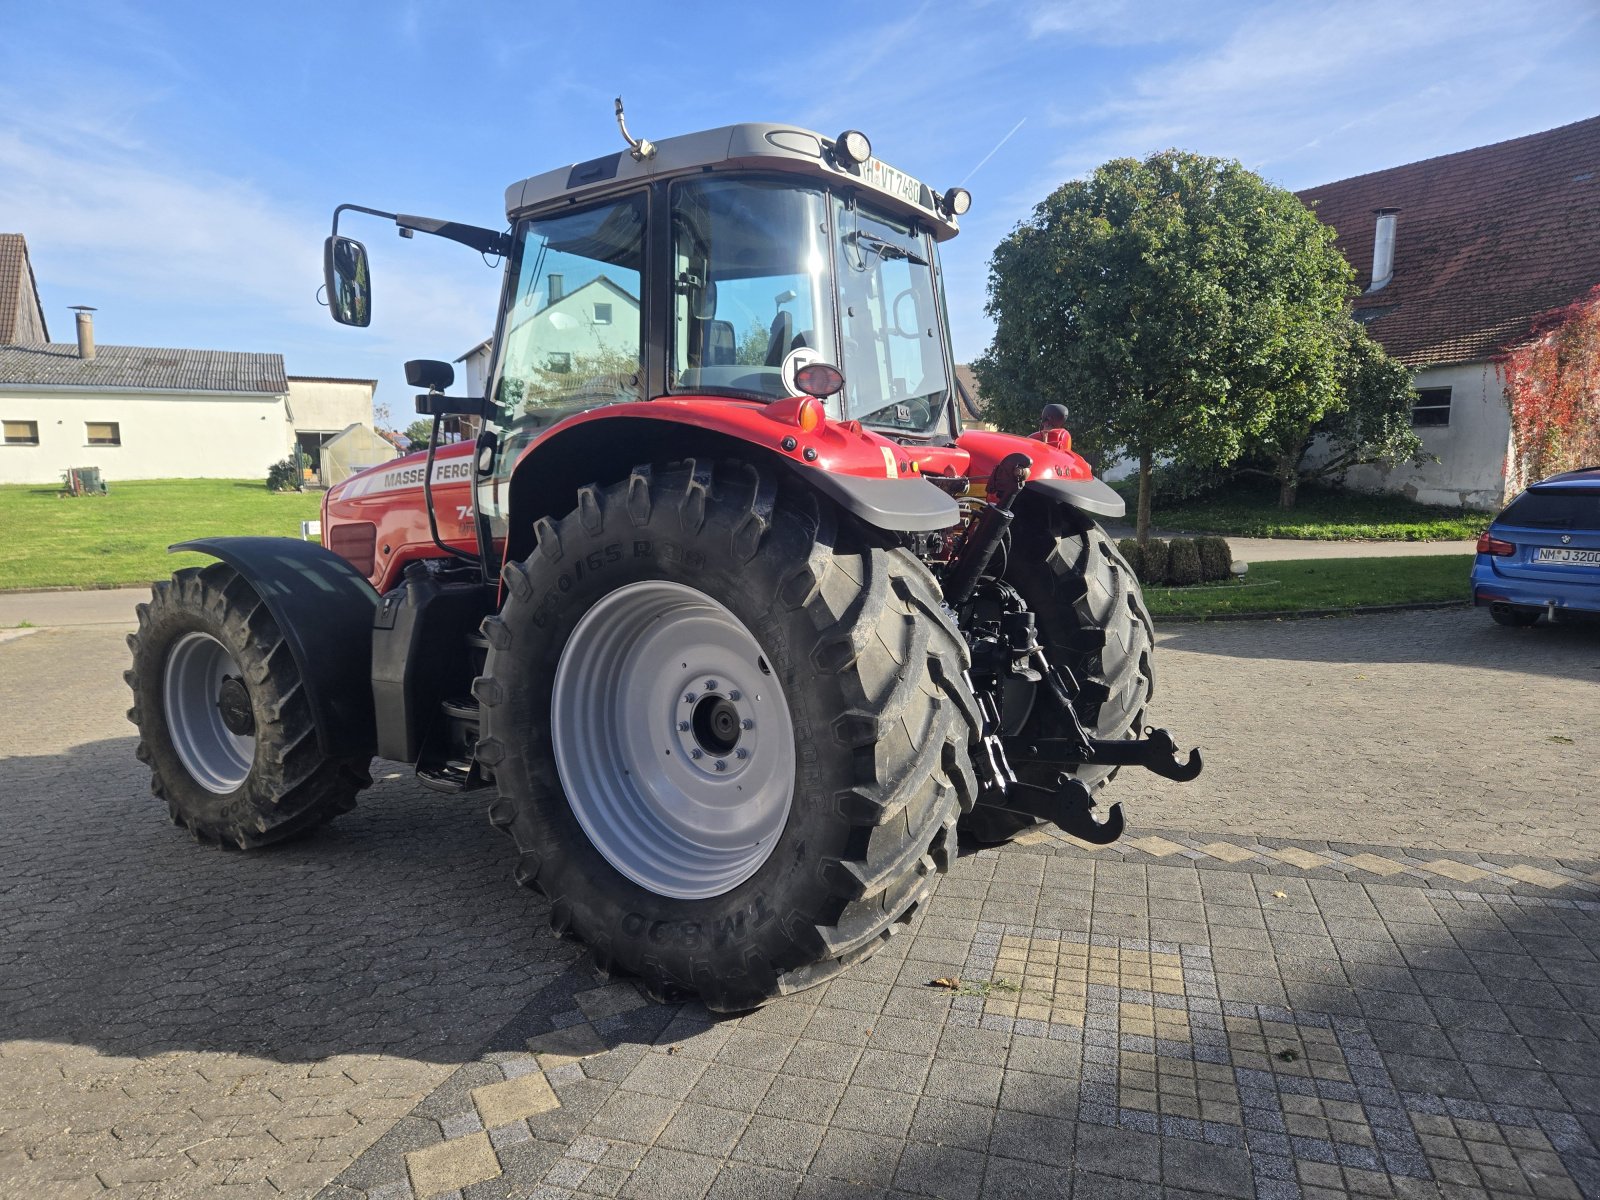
{"x": 175, "y": 164}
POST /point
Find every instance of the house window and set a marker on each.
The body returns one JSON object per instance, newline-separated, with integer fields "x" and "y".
{"x": 104, "y": 433}
{"x": 559, "y": 362}
{"x": 602, "y": 314}
{"x": 22, "y": 433}
{"x": 1431, "y": 407}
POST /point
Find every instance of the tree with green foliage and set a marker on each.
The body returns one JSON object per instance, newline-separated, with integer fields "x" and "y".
{"x": 1364, "y": 417}
{"x": 418, "y": 432}
{"x": 1167, "y": 303}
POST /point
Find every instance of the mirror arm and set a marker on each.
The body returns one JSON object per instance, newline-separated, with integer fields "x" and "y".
{"x": 485, "y": 241}
{"x": 433, "y": 404}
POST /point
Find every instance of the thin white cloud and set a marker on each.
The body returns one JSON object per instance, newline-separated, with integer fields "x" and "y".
{"x": 176, "y": 254}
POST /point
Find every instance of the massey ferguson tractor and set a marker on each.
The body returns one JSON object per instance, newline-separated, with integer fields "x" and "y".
{"x": 713, "y": 598}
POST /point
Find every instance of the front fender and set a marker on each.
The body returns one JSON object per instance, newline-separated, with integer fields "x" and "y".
{"x": 323, "y": 607}
{"x": 1062, "y": 475}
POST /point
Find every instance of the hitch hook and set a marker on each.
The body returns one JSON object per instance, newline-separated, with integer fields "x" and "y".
{"x": 1164, "y": 760}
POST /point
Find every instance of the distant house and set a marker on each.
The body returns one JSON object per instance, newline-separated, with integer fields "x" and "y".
{"x": 1455, "y": 257}
{"x": 595, "y": 319}
{"x": 140, "y": 412}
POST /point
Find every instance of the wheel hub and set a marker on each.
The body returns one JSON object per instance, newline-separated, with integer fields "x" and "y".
{"x": 209, "y": 715}
{"x": 233, "y": 703}
{"x": 672, "y": 740}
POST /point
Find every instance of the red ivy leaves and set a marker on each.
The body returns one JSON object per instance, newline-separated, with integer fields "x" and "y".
{"x": 1553, "y": 384}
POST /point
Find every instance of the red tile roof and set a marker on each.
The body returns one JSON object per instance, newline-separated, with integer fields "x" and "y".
{"x": 1485, "y": 241}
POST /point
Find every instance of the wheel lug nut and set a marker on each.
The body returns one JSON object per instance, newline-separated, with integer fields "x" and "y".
{"x": 741, "y": 752}
{"x": 734, "y": 696}
{"x": 721, "y": 765}
{"x": 696, "y": 754}
{"x": 747, "y": 723}
{"x": 711, "y": 685}
{"x": 683, "y": 727}
{"x": 688, "y": 697}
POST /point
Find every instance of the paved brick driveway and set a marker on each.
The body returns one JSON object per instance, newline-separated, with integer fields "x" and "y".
{"x": 1359, "y": 956}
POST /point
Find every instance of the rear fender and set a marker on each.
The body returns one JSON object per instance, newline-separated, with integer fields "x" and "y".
{"x": 856, "y": 469}
{"x": 324, "y": 609}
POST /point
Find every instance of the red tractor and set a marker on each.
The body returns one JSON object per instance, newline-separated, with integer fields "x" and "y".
{"x": 715, "y": 598}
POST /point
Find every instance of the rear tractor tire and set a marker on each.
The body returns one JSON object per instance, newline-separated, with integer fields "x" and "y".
{"x": 224, "y": 723}
{"x": 730, "y": 741}
{"x": 1091, "y": 618}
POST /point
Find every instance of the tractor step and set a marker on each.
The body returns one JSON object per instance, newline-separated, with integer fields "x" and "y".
{"x": 455, "y": 771}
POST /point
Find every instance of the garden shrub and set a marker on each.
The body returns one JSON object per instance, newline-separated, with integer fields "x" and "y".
{"x": 285, "y": 476}
{"x": 1153, "y": 563}
{"x": 1129, "y": 549}
{"x": 1216, "y": 558}
{"x": 1183, "y": 563}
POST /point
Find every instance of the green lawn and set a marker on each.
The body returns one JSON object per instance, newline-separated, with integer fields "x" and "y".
{"x": 122, "y": 537}
{"x": 1327, "y": 514}
{"x": 1303, "y": 584}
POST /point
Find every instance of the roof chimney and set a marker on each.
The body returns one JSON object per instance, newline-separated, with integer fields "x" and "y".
{"x": 85, "y": 330}
{"x": 1383, "y": 248}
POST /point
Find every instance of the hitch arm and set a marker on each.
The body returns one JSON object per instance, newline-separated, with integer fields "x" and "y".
{"x": 1156, "y": 751}
{"x": 1069, "y": 806}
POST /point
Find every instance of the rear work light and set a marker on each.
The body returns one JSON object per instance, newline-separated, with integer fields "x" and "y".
{"x": 1494, "y": 546}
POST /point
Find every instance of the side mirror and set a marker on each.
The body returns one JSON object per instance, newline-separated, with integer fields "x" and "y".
{"x": 430, "y": 373}
{"x": 344, "y": 273}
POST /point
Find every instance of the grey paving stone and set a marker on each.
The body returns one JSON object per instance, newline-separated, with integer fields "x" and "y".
{"x": 703, "y": 1130}
{"x": 944, "y": 1171}
{"x": 744, "y": 1181}
{"x": 778, "y": 1142}
{"x": 951, "y": 1123}
{"x": 666, "y": 1174}
{"x": 865, "y": 1159}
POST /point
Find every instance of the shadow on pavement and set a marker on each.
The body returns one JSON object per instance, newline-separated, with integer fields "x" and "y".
{"x": 396, "y": 930}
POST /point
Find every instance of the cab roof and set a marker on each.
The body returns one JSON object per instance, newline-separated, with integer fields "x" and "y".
{"x": 783, "y": 148}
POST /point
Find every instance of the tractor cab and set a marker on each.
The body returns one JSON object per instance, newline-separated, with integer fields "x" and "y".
{"x": 721, "y": 264}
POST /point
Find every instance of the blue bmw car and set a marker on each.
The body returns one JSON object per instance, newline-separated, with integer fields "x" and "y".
{"x": 1541, "y": 556}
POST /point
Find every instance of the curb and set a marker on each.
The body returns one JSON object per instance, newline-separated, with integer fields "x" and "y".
{"x": 1301, "y": 614}
{"x": 74, "y": 587}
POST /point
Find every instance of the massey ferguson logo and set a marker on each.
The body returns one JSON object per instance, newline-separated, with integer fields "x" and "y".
{"x": 412, "y": 476}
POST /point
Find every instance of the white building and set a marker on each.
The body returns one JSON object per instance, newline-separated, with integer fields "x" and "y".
{"x": 1456, "y": 256}
{"x": 596, "y": 319}
{"x": 139, "y": 412}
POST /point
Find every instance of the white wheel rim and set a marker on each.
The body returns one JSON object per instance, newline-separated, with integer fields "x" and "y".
{"x": 673, "y": 740}
{"x": 216, "y": 758}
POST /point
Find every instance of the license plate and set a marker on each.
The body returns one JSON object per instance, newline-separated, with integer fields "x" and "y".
{"x": 1565, "y": 554}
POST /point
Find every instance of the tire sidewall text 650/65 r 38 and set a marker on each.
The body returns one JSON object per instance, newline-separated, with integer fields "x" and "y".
{"x": 844, "y": 640}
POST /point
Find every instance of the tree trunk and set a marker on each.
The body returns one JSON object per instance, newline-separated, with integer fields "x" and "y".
{"x": 1141, "y": 529}
{"x": 1288, "y": 481}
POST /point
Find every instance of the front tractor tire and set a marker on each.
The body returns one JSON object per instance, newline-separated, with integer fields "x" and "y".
{"x": 1091, "y": 618}
{"x": 224, "y": 723}
{"x": 730, "y": 739}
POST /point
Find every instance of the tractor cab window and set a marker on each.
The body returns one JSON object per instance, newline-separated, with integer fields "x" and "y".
{"x": 558, "y": 355}
{"x": 751, "y": 284}
{"x": 894, "y": 364}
